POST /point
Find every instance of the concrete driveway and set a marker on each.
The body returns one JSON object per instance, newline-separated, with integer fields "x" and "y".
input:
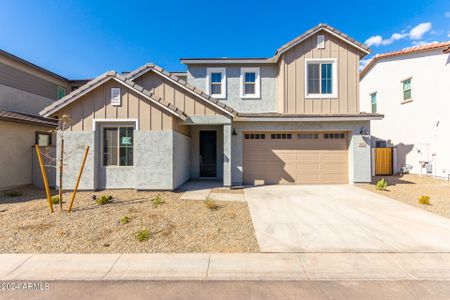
{"x": 341, "y": 218}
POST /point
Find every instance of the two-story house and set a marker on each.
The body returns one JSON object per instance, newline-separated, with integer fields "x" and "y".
{"x": 411, "y": 88}
{"x": 25, "y": 89}
{"x": 291, "y": 118}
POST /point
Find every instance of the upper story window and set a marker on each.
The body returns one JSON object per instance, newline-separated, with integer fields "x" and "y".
{"x": 373, "y": 101}
{"x": 250, "y": 83}
{"x": 216, "y": 82}
{"x": 60, "y": 92}
{"x": 406, "y": 90}
{"x": 321, "y": 78}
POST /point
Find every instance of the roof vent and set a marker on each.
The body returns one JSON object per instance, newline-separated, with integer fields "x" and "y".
{"x": 321, "y": 42}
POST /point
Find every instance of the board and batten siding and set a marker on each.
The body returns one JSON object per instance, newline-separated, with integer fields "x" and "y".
{"x": 291, "y": 78}
{"x": 176, "y": 95}
{"x": 97, "y": 105}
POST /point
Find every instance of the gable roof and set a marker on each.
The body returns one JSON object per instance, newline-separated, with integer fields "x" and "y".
{"x": 325, "y": 27}
{"x": 111, "y": 75}
{"x": 19, "y": 117}
{"x": 411, "y": 50}
{"x": 181, "y": 83}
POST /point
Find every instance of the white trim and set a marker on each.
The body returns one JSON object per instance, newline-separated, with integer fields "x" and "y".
{"x": 135, "y": 121}
{"x": 228, "y": 61}
{"x": 118, "y": 152}
{"x": 182, "y": 86}
{"x": 314, "y": 32}
{"x": 223, "y": 71}
{"x": 334, "y": 78}
{"x": 308, "y": 119}
{"x": 257, "y": 94}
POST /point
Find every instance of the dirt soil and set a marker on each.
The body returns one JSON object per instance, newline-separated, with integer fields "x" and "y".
{"x": 174, "y": 226}
{"x": 410, "y": 187}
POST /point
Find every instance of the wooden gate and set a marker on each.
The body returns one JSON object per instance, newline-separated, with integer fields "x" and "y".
{"x": 383, "y": 161}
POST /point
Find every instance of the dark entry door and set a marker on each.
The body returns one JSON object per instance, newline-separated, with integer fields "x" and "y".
{"x": 208, "y": 153}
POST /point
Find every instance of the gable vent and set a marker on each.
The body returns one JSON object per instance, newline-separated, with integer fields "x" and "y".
{"x": 115, "y": 96}
{"x": 321, "y": 42}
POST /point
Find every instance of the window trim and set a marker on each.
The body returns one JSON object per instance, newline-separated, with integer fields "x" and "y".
{"x": 403, "y": 91}
{"x": 257, "y": 94}
{"x": 334, "y": 78}
{"x": 102, "y": 133}
{"x": 58, "y": 87}
{"x": 223, "y": 71}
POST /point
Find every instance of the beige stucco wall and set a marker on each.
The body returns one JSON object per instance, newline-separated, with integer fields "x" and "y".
{"x": 16, "y": 140}
{"x": 291, "y": 77}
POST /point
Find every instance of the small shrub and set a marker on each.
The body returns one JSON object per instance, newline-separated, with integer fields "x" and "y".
{"x": 142, "y": 235}
{"x": 210, "y": 203}
{"x": 14, "y": 194}
{"x": 157, "y": 201}
{"x": 55, "y": 200}
{"x": 124, "y": 220}
{"x": 104, "y": 199}
{"x": 424, "y": 199}
{"x": 381, "y": 185}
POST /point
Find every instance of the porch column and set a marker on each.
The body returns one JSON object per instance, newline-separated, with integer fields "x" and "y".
{"x": 227, "y": 154}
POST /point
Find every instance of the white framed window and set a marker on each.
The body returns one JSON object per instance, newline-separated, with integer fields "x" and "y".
{"x": 216, "y": 82}
{"x": 373, "y": 101}
{"x": 117, "y": 142}
{"x": 407, "y": 97}
{"x": 250, "y": 83}
{"x": 321, "y": 78}
{"x": 115, "y": 96}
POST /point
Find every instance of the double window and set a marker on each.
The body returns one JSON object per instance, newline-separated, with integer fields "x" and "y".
{"x": 216, "y": 82}
{"x": 250, "y": 83}
{"x": 118, "y": 146}
{"x": 321, "y": 78}
{"x": 407, "y": 90}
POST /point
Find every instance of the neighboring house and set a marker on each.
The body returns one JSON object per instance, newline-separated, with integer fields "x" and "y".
{"x": 411, "y": 88}
{"x": 25, "y": 89}
{"x": 291, "y": 118}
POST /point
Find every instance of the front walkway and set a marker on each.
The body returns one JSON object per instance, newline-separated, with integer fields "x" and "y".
{"x": 341, "y": 218}
{"x": 202, "y": 189}
{"x": 216, "y": 266}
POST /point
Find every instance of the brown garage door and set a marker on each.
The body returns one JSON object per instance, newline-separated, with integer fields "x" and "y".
{"x": 295, "y": 157}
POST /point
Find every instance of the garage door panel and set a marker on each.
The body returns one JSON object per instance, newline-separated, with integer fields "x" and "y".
{"x": 295, "y": 160}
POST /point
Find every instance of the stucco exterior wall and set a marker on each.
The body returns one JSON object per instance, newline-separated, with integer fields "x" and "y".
{"x": 181, "y": 159}
{"x": 419, "y": 128}
{"x": 267, "y": 103}
{"x": 16, "y": 140}
{"x": 153, "y": 160}
{"x": 359, "y": 168}
{"x": 74, "y": 146}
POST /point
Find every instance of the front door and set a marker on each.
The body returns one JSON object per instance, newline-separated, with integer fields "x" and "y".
{"x": 208, "y": 153}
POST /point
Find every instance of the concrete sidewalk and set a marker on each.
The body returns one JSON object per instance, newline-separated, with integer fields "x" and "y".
{"x": 216, "y": 266}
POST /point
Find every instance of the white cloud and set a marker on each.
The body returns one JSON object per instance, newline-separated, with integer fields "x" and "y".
{"x": 421, "y": 43}
{"x": 363, "y": 63}
{"x": 448, "y": 34}
{"x": 415, "y": 33}
{"x": 447, "y": 14}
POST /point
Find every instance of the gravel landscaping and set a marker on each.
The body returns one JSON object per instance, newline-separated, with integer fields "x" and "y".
{"x": 173, "y": 226}
{"x": 410, "y": 187}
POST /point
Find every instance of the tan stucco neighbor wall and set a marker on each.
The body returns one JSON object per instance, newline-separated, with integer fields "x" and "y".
{"x": 16, "y": 140}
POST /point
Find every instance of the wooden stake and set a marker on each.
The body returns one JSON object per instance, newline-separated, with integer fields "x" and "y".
{"x": 61, "y": 162}
{"x": 79, "y": 178}
{"x": 44, "y": 176}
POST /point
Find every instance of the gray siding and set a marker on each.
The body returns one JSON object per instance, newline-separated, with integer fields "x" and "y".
{"x": 24, "y": 81}
{"x": 267, "y": 102}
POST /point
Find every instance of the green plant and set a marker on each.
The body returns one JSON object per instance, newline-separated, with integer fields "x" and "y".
{"x": 14, "y": 194}
{"x": 142, "y": 235}
{"x": 55, "y": 199}
{"x": 157, "y": 201}
{"x": 424, "y": 199}
{"x": 381, "y": 185}
{"x": 210, "y": 203}
{"x": 104, "y": 199}
{"x": 124, "y": 220}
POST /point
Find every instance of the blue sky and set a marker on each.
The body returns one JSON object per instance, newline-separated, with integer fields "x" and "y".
{"x": 79, "y": 39}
